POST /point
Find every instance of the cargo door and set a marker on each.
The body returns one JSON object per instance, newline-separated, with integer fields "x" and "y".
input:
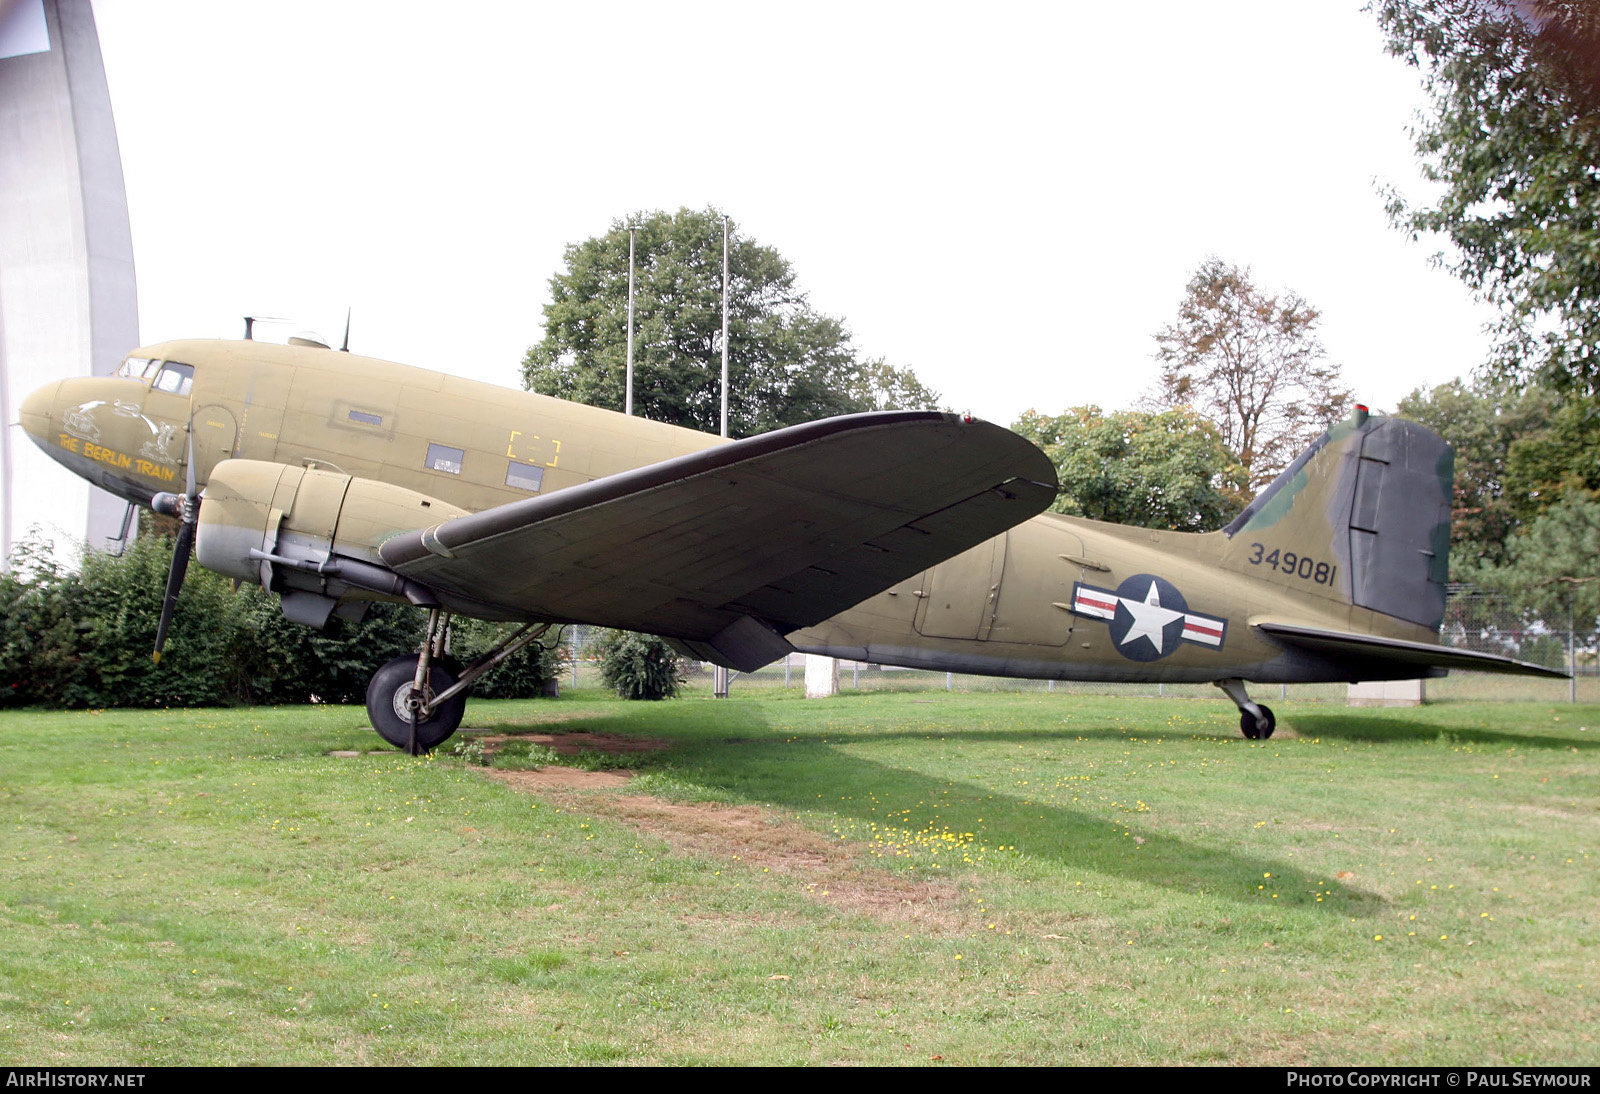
{"x": 958, "y": 596}
{"x": 1034, "y": 607}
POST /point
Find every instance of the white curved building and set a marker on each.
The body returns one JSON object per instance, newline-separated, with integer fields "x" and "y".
{"x": 68, "y": 303}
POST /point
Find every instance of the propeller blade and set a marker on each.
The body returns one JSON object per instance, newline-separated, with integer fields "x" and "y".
{"x": 180, "y": 565}
{"x": 182, "y": 549}
{"x": 346, "y": 347}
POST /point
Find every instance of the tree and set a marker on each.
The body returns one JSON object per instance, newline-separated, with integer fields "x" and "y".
{"x": 1514, "y": 139}
{"x": 638, "y": 666}
{"x": 1250, "y": 363}
{"x": 1558, "y": 459}
{"x": 1483, "y": 422}
{"x": 878, "y": 385}
{"x": 1166, "y": 469}
{"x": 787, "y": 363}
{"x": 1551, "y": 568}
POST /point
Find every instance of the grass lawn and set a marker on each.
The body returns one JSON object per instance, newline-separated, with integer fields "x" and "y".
{"x": 876, "y": 878}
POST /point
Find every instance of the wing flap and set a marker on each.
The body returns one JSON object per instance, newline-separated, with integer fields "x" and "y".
{"x": 790, "y": 527}
{"x": 1395, "y": 650}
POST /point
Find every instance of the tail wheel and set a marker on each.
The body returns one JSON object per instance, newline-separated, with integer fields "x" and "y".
{"x": 1258, "y": 731}
{"x": 391, "y": 700}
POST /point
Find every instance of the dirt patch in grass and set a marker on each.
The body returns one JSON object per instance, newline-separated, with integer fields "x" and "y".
{"x": 554, "y": 776}
{"x": 758, "y": 839}
{"x": 755, "y": 838}
{"x": 570, "y": 744}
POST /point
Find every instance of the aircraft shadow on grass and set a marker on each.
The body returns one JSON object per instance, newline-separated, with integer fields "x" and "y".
{"x": 1398, "y": 730}
{"x": 759, "y": 768}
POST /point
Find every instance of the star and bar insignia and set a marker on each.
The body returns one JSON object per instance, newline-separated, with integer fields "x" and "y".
{"x": 1148, "y": 616}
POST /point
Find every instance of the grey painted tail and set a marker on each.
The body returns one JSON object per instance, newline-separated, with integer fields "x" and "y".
{"x": 1363, "y": 516}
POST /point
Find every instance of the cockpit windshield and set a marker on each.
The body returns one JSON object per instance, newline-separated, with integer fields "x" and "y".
{"x": 175, "y": 378}
{"x": 139, "y": 368}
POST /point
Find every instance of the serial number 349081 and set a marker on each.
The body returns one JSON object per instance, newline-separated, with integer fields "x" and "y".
{"x": 1303, "y": 567}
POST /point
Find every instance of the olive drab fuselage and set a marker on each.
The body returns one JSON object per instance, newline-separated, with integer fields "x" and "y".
{"x": 1053, "y": 598}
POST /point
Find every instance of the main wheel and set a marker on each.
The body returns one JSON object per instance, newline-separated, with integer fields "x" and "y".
{"x": 1254, "y": 731}
{"x": 390, "y": 702}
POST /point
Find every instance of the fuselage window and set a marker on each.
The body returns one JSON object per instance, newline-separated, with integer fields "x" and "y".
{"x": 525, "y": 477}
{"x": 366, "y": 419}
{"x": 175, "y": 379}
{"x": 441, "y": 457}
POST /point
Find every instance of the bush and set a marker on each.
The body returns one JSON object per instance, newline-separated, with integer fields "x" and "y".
{"x": 526, "y": 674}
{"x": 638, "y": 666}
{"x": 83, "y": 639}
{"x": 291, "y": 663}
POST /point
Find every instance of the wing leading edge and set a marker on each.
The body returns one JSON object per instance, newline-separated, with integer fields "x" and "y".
{"x": 1366, "y": 647}
{"x": 730, "y": 548}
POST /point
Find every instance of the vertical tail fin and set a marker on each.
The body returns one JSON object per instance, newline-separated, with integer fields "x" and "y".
{"x": 1362, "y": 517}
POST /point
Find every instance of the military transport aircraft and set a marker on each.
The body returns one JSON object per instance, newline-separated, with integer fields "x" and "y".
{"x": 903, "y": 538}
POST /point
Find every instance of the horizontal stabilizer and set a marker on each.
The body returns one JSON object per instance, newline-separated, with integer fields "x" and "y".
{"x": 1400, "y": 652}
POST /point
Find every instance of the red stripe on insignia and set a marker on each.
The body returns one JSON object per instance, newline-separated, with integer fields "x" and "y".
{"x": 1214, "y": 632}
{"x": 1103, "y": 605}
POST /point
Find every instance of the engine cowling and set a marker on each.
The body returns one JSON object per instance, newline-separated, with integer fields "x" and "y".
{"x": 310, "y": 534}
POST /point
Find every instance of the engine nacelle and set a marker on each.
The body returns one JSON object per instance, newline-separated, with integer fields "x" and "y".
{"x": 309, "y": 534}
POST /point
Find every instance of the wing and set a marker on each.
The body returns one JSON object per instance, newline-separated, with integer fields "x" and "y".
{"x": 729, "y": 548}
{"x": 1367, "y": 647}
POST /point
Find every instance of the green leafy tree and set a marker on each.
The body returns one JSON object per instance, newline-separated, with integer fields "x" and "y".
{"x": 638, "y": 666}
{"x": 1482, "y": 421}
{"x": 1561, "y": 458}
{"x": 1250, "y": 362}
{"x": 1513, "y": 142}
{"x": 1152, "y": 469}
{"x": 787, "y": 362}
{"x": 878, "y": 385}
{"x": 1551, "y": 568}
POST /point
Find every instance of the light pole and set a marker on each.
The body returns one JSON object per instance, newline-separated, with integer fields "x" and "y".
{"x": 719, "y": 675}
{"x": 724, "y": 325}
{"x": 627, "y": 406}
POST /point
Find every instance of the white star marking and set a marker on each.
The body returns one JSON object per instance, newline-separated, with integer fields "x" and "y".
{"x": 1149, "y": 618}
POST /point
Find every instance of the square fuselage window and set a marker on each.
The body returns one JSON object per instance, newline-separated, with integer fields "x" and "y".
{"x": 441, "y": 457}
{"x": 525, "y": 477}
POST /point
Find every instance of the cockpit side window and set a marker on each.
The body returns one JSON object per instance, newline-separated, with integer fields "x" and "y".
{"x": 138, "y": 368}
{"x": 175, "y": 378}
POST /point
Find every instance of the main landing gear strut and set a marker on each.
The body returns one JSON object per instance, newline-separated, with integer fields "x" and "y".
{"x": 1256, "y": 720}
{"x": 416, "y": 702}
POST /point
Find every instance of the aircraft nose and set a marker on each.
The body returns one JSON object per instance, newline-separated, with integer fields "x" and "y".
{"x": 36, "y": 411}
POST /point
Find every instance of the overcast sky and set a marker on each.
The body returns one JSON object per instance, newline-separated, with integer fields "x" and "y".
{"x": 1008, "y": 198}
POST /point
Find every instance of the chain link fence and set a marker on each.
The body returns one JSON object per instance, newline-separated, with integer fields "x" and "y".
{"x": 1473, "y": 621}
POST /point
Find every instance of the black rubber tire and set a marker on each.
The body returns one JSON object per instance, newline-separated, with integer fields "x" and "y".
{"x": 386, "y": 695}
{"x": 1247, "y": 723}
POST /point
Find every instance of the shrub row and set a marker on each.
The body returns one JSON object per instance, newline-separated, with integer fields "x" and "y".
{"x": 83, "y": 639}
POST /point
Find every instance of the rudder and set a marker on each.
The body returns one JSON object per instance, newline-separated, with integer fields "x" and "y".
{"x": 1362, "y": 516}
